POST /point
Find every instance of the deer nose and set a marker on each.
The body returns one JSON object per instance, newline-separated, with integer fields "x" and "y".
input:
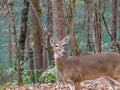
{"x": 63, "y": 52}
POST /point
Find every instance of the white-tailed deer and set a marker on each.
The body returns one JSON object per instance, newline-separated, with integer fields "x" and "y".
{"x": 74, "y": 69}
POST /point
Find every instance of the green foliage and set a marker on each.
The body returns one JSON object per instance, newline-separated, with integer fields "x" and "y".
{"x": 26, "y": 77}
{"x": 5, "y": 85}
{"x": 48, "y": 76}
{"x": 7, "y": 76}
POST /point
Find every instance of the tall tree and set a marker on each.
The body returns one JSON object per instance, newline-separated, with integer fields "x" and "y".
{"x": 23, "y": 31}
{"x": 38, "y": 36}
{"x": 58, "y": 22}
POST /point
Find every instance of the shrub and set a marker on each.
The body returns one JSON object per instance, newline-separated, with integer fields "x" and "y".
{"x": 48, "y": 76}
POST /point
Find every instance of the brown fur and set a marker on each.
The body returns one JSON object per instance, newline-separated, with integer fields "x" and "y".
{"x": 89, "y": 67}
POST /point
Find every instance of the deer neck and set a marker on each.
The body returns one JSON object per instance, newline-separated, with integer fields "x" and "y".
{"x": 59, "y": 61}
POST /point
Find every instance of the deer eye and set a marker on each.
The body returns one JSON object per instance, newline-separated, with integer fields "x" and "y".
{"x": 56, "y": 45}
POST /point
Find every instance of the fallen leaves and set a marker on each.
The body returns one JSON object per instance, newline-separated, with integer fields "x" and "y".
{"x": 98, "y": 84}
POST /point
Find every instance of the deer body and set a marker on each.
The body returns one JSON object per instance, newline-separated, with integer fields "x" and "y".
{"x": 74, "y": 69}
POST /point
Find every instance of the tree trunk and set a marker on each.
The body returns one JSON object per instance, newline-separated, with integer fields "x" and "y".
{"x": 58, "y": 22}
{"x": 11, "y": 28}
{"x": 97, "y": 28}
{"x": 87, "y": 24}
{"x": 114, "y": 24}
{"x": 74, "y": 50}
{"x": 22, "y": 41}
{"x": 49, "y": 29}
{"x": 29, "y": 55}
{"x": 31, "y": 64}
{"x": 38, "y": 37}
{"x": 58, "y": 19}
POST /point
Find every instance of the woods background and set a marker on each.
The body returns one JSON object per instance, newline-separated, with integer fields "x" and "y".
{"x": 26, "y": 26}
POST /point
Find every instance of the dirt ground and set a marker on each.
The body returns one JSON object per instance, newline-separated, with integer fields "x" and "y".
{"x": 99, "y": 84}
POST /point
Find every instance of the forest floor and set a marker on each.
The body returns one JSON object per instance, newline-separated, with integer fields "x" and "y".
{"x": 98, "y": 84}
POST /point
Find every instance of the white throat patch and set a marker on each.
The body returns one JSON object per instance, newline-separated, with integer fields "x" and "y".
{"x": 56, "y": 56}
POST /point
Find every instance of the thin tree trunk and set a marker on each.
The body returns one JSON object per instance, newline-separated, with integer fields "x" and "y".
{"x": 31, "y": 64}
{"x": 72, "y": 34}
{"x": 10, "y": 50}
{"x": 29, "y": 55}
{"x": 11, "y": 29}
{"x": 87, "y": 22}
{"x": 114, "y": 24}
{"x": 91, "y": 16}
{"x": 118, "y": 44}
{"x": 97, "y": 28}
{"x": 49, "y": 29}
{"x": 22, "y": 41}
{"x": 74, "y": 50}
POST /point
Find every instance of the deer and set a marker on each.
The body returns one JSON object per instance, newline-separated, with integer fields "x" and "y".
{"x": 75, "y": 69}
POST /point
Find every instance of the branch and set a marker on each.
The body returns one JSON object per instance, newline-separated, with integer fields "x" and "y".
{"x": 106, "y": 26}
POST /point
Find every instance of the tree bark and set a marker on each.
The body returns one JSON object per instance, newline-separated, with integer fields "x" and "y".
{"x": 38, "y": 37}
{"x": 29, "y": 55}
{"x": 74, "y": 50}
{"x": 22, "y": 41}
{"x": 87, "y": 22}
{"x": 58, "y": 19}
{"x": 11, "y": 28}
{"x": 114, "y": 24}
{"x": 38, "y": 45}
{"x": 49, "y": 29}
{"x": 58, "y": 22}
{"x": 97, "y": 28}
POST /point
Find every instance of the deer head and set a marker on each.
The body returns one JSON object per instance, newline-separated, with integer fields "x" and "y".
{"x": 59, "y": 46}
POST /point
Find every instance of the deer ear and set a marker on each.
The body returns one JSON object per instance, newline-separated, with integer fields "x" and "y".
{"x": 66, "y": 40}
{"x": 51, "y": 41}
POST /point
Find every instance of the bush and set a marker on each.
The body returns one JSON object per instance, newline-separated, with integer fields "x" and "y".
{"x": 48, "y": 76}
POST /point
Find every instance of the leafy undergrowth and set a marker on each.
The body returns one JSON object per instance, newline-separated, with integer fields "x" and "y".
{"x": 99, "y": 84}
